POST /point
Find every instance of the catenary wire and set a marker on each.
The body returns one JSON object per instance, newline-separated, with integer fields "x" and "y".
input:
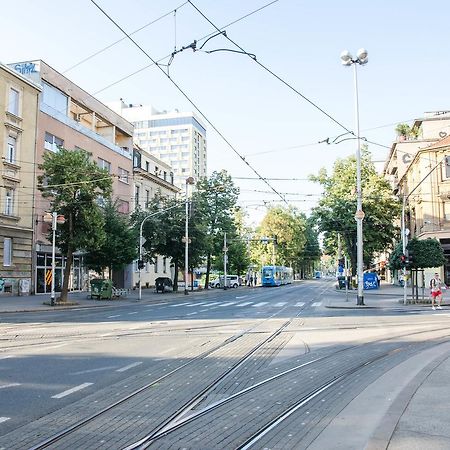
{"x": 191, "y": 102}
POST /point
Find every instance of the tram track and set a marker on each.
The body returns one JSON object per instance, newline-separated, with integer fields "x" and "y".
{"x": 179, "y": 419}
{"x": 73, "y": 428}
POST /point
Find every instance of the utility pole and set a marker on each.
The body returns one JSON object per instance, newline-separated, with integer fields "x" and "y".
{"x": 225, "y": 249}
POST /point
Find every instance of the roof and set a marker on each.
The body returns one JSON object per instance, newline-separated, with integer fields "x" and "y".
{"x": 439, "y": 144}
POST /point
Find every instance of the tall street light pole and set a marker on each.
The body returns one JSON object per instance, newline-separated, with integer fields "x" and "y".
{"x": 189, "y": 180}
{"x": 347, "y": 60}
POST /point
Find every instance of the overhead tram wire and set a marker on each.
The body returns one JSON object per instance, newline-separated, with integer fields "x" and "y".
{"x": 198, "y": 40}
{"x": 252, "y": 57}
{"x": 191, "y": 102}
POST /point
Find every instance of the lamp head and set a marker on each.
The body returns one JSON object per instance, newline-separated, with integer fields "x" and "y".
{"x": 346, "y": 58}
{"x": 362, "y": 56}
{"x": 190, "y": 180}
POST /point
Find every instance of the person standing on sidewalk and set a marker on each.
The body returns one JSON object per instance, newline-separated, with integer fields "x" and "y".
{"x": 436, "y": 286}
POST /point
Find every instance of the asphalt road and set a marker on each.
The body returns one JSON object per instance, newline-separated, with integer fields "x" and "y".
{"x": 52, "y": 360}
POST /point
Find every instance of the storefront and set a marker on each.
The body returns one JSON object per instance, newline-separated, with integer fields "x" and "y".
{"x": 44, "y": 273}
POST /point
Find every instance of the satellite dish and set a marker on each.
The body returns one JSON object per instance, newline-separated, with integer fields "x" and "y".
{"x": 442, "y": 134}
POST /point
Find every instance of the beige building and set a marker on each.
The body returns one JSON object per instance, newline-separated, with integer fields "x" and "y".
{"x": 177, "y": 138}
{"x": 152, "y": 177}
{"x": 70, "y": 117}
{"x": 419, "y": 170}
{"x": 18, "y": 118}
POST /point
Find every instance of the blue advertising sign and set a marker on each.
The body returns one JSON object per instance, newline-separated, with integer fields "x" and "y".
{"x": 370, "y": 281}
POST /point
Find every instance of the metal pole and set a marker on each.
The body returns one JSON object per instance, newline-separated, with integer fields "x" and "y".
{"x": 140, "y": 259}
{"x": 225, "y": 261}
{"x": 359, "y": 210}
{"x": 186, "y": 245}
{"x": 54, "y": 217}
{"x": 405, "y": 301}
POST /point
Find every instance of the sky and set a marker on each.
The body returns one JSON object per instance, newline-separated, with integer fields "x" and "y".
{"x": 275, "y": 129}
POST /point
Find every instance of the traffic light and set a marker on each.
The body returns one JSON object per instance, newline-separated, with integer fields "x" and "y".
{"x": 402, "y": 260}
{"x": 411, "y": 258}
{"x": 141, "y": 264}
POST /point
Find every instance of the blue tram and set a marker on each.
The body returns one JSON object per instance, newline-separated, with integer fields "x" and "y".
{"x": 276, "y": 275}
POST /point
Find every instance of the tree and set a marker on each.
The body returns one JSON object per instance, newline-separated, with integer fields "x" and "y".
{"x": 73, "y": 184}
{"x": 215, "y": 200}
{"x": 120, "y": 246}
{"x": 311, "y": 252}
{"x": 285, "y": 228}
{"x": 335, "y": 212}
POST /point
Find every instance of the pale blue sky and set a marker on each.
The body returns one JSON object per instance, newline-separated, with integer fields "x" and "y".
{"x": 301, "y": 41}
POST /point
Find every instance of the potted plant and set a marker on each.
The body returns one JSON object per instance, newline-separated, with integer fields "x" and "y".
{"x": 403, "y": 130}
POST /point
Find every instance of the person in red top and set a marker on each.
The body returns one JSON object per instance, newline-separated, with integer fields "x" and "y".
{"x": 436, "y": 286}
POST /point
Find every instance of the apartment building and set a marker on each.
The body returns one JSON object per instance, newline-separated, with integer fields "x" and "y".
{"x": 177, "y": 138}
{"x": 418, "y": 168}
{"x": 152, "y": 177}
{"x": 18, "y": 118}
{"x": 70, "y": 117}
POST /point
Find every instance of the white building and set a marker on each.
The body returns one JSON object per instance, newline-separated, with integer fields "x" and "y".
{"x": 177, "y": 138}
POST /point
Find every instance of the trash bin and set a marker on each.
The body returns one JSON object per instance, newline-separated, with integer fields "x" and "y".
{"x": 341, "y": 281}
{"x": 101, "y": 289}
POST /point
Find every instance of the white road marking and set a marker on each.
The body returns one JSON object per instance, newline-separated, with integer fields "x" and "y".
{"x": 195, "y": 304}
{"x": 300, "y": 304}
{"x": 135, "y": 312}
{"x": 191, "y": 314}
{"x": 179, "y": 304}
{"x": 71, "y": 391}
{"x": 259, "y": 304}
{"x": 316, "y": 304}
{"x": 4, "y": 386}
{"x": 228, "y": 304}
{"x": 204, "y": 310}
{"x": 82, "y": 372}
{"x": 8, "y": 356}
{"x": 213, "y": 303}
{"x": 112, "y": 317}
{"x": 280, "y": 304}
{"x": 244, "y": 304}
{"x": 242, "y": 296}
{"x": 4, "y": 419}
{"x": 130, "y": 366}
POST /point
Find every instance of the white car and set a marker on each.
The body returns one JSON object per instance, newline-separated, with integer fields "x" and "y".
{"x": 232, "y": 281}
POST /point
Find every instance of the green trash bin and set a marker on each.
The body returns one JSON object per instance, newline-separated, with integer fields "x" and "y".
{"x": 101, "y": 289}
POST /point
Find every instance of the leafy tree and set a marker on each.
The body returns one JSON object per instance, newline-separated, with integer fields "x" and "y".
{"x": 215, "y": 200}
{"x": 285, "y": 228}
{"x": 311, "y": 251}
{"x": 120, "y": 245}
{"x": 336, "y": 209}
{"x": 73, "y": 184}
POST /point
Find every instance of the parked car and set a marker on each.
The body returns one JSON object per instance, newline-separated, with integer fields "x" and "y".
{"x": 232, "y": 281}
{"x": 162, "y": 284}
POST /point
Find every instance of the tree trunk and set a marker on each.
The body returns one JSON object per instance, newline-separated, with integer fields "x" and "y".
{"x": 208, "y": 269}
{"x": 192, "y": 278}
{"x": 67, "y": 271}
{"x": 175, "y": 276}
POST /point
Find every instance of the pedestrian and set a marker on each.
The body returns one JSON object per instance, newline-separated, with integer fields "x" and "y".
{"x": 256, "y": 279}
{"x": 251, "y": 281}
{"x": 436, "y": 287}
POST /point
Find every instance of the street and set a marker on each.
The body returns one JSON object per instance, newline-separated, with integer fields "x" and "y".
{"x": 242, "y": 368}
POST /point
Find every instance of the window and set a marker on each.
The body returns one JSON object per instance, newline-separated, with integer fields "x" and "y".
{"x": 165, "y": 265}
{"x": 147, "y": 166}
{"x": 7, "y": 252}
{"x": 147, "y": 198}
{"x": 165, "y": 175}
{"x": 105, "y": 165}
{"x": 9, "y": 202}
{"x": 13, "y": 105}
{"x": 54, "y": 98}
{"x": 123, "y": 175}
{"x": 11, "y": 149}
{"x": 447, "y": 167}
{"x": 52, "y": 142}
{"x": 136, "y": 196}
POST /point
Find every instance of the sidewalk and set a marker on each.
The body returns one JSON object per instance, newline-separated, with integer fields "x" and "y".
{"x": 30, "y": 303}
{"x": 387, "y": 296}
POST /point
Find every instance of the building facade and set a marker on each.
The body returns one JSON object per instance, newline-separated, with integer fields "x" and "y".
{"x": 18, "y": 118}
{"x": 152, "y": 177}
{"x": 177, "y": 138}
{"x": 69, "y": 117}
{"x": 419, "y": 171}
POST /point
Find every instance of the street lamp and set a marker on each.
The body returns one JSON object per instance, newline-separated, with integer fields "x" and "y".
{"x": 189, "y": 180}
{"x": 347, "y": 60}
